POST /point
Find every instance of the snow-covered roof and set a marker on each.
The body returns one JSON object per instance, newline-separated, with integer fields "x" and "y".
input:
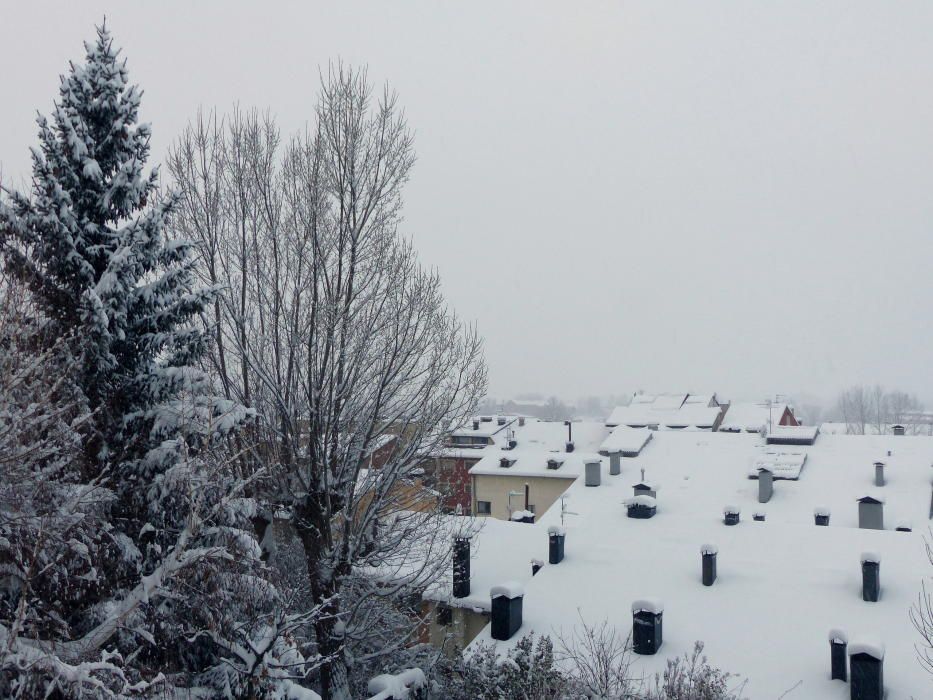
{"x": 535, "y": 434}
{"x": 783, "y": 465}
{"x": 500, "y": 551}
{"x": 651, "y": 605}
{"x": 865, "y": 644}
{"x": 751, "y": 417}
{"x": 807, "y": 574}
{"x": 487, "y": 426}
{"x": 667, "y": 411}
{"x": 793, "y": 434}
{"x": 509, "y": 589}
{"x": 643, "y": 500}
{"x": 528, "y": 463}
{"x": 629, "y": 441}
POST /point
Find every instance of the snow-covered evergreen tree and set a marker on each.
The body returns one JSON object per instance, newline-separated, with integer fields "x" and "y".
{"x": 145, "y": 526}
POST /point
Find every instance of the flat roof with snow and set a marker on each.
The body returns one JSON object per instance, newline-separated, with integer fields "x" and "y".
{"x": 793, "y": 434}
{"x": 529, "y": 463}
{"x": 810, "y": 577}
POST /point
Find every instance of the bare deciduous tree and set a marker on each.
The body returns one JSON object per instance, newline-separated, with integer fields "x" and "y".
{"x": 853, "y": 407}
{"x": 600, "y": 659}
{"x": 861, "y": 408}
{"x": 921, "y": 615}
{"x": 331, "y": 328}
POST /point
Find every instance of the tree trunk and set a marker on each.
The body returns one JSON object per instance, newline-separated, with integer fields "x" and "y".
{"x": 313, "y": 528}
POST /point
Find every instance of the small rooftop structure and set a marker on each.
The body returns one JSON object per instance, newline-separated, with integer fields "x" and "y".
{"x": 625, "y": 440}
{"x": 793, "y": 435}
{"x": 782, "y": 465}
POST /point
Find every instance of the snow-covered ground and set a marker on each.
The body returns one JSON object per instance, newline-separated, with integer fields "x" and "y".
{"x": 783, "y": 584}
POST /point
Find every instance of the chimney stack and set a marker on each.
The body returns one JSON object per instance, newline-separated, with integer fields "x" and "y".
{"x": 838, "y": 641}
{"x": 615, "y": 463}
{"x": 765, "y": 485}
{"x": 506, "y": 616}
{"x": 709, "y": 552}
{"x": 461, "y": 587}
{"x": 871, "y": 512}
{"x": 866, "y": 666}
{"x": 476, "y": 424}
{"x": 647, "y": 628}
{"x": 871, "y": 577}
{"x": 879, "y": 473}
{"x": 593, "y": 469}
{"x": 821, "y": 515}
{"x": 641, "y": 507}
{"x": 555, "y": 541}
{"x": 731, "y": 515}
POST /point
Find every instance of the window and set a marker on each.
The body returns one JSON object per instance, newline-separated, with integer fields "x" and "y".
{"x": 445, "y": 615}
{"x": 484, "y": 507}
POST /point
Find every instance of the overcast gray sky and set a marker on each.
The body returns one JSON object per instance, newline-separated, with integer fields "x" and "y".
{"x": 716, "y": 196}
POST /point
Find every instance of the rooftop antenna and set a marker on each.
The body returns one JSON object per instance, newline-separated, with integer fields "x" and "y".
{"x": 642, "y": 473}
{"x": 563, "y": 509}
{"x": 513, "y": 493}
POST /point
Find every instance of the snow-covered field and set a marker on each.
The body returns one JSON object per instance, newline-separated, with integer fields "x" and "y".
{"x": 782, "y": 584}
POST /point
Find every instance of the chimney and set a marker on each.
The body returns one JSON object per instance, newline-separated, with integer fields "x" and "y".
{"x": 500, "y": 420}
{"x": 593, "y": 469}
{"x": 758, "y": 516}
{"x": 765, "y": 485}
{"x": 522, "y": 516}
{"x": 871, "y": 512}
{"x": 555, "y": 544}
{"x": 709, "y": 552}
{"x": 475, "y": 424}
{"x": 521, "y": 421}
{"x": 641, "y": 506}
{"x": 731, "y": 515}
{"x": 506, "y": 617}
{"x": 879, "y": 473}
{"x": 871, "y": 577}
{"x": 838, "y": 641}
{"x": 647, "y": 629}
{"x": 821, "y": 515}
{"x": 461, "y": 566}
{"x": 866, "y": 666}
{"x": 615, "y": 463}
